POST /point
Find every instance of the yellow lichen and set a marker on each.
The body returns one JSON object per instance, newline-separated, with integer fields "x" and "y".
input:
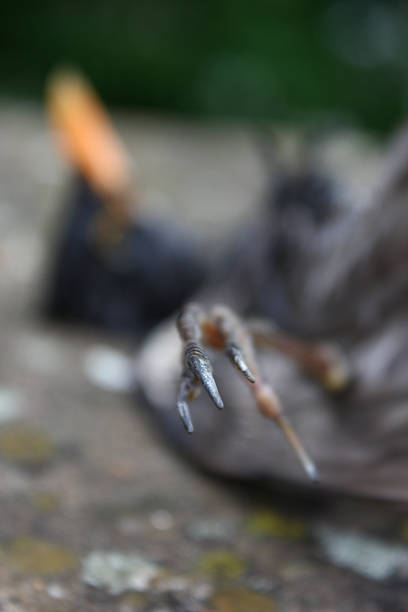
{"x": 133, "y": 601}
{"x": 404, "y": 530}
{"x": 274, "y": 525}
{"x": 241, "y": 600}
{"x": 26, "y": 446}
{"x": 222, "y": 565}
{"x": 35, "y": 556}
{"x": 46, "y": 502}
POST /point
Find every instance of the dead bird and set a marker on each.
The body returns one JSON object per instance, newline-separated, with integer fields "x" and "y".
{"x": 321, "y": 271}
{"x": 327, "y": 276}
{"x": 110, "y": 268}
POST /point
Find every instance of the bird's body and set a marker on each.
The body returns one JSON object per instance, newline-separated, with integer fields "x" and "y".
{"x": 323, "y": 273}
{"x": 319, "y": 265}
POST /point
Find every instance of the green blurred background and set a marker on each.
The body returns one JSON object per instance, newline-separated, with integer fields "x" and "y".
{"x": 293, "y": 60}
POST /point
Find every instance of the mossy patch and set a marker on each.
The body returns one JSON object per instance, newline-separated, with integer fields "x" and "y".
{"x": 35, "y": 556}
{"x": 274, "y": 525}
{"x": 133, "y": 601}
{"x": 222, "y": 565}
{"x": 241, "y": 600}
{"x": 28, "y": 447}
{"x": 404, "y": 530}
{"x": 46, "y": 502}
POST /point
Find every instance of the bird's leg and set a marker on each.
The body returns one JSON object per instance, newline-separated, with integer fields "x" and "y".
{"x": 197, "y": 367}
{"x": 323, "y": 362}
{"x": 222, "y": 329}
{"x": 238, "y": 341}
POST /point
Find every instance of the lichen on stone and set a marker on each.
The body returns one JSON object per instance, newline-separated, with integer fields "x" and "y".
{"x": 36, "y": 556}
{"x": 132, "y": 601}
{"x": 404, "y": 530}
{"x": 366, "y": 555}
{"x": 274, "y": 525}
{"x": 222, "y": 565}
{"x": 217, "y": 530}
{"x": 45, "y": 502}
{"x": 26, "y": 446}
{"x": 117, "y": 572}
{"x": 241, "y": 600}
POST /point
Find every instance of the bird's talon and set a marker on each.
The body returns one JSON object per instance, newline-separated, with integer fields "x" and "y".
{"x": 222, "y": 329}
{"x": 235, "y": 355}
{"x": 200, "y": 366}
{"x": 185, "y": 416}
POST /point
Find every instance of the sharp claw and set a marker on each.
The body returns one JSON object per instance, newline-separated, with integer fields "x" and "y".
{"x": 237, "y": 358}
{"x": 311, "y": 471}
{"x": 197, "y": 367}
{"x": 299, "y": 449}
{"x": 201, "y": 368}
{"x": 185, "y": 416}
{"x": 187, "y": 390}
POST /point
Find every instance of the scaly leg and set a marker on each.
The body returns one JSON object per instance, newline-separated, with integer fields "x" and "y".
{"x": 197, "y": 367}
{"x": 324, "y": 362}
{"x": 222, "y": 329}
